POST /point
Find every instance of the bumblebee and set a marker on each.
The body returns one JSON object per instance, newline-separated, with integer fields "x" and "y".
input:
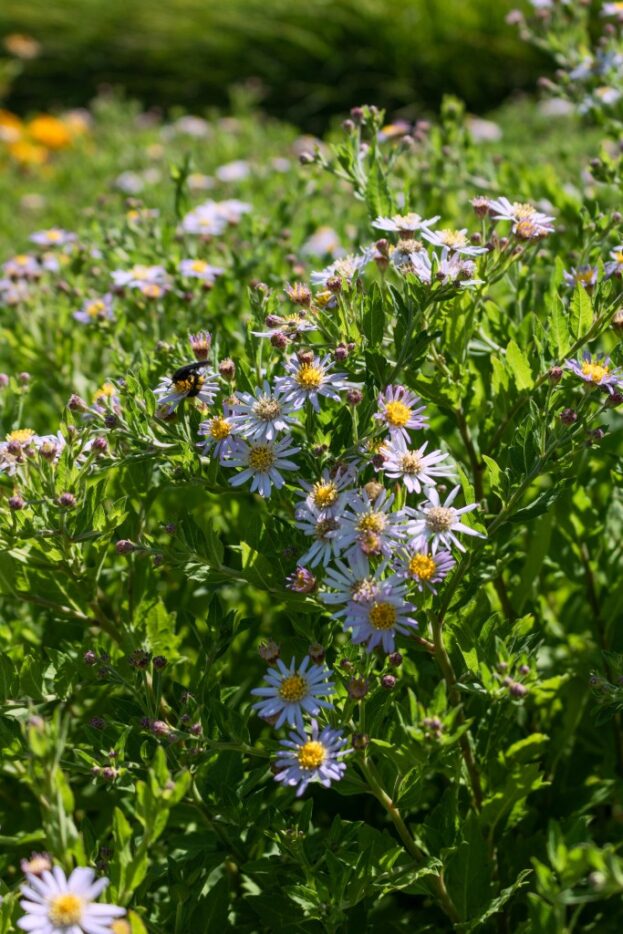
{"x": 188, "y": 378}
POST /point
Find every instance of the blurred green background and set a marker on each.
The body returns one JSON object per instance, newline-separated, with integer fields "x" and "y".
{"x": 307, "y": 59}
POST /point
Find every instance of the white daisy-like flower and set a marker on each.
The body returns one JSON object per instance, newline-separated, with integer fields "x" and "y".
{"x": 55, "y": 904}
{"x": 203, "y": 221}
{"x": 404, "y": 223}
{"x": 376, "y": 622}
{"x": 310, "y": 379}
{"x": 194, "y": 385}
{"x": 528, "y": 221}
{"x": 235, "y": 171}
{"x": 139, "y": 276}
{"x": 314, "y": 757}
{"x": 262, "y": 462}
{"x": 96, "y": 309}
{"x": 435, "y": 523}
{"x": 200, "y": 269}
{"x": 55, "y": 236}
{"x": 456, "y": 241}
{"x": 262, "y": 415}
{"x": 293, "y": 691}
{"x": 416, "y": 469}
{"x": 324, "y": 529}
{"x": 371, "y": 526}
{"x": 346, "y": 268}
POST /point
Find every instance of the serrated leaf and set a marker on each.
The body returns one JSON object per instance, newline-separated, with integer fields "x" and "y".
{"x": 519, "y": 366}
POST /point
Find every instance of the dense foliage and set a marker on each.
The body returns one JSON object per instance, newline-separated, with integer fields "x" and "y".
{"x": 390, "y": 451}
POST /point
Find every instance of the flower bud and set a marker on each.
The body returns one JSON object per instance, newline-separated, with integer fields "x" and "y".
{"x": 617, "y": 320}
{"x": 89, "y": 658}
{"x": 269, "y": 652}
{"x": 124, "y": 547}
{"x": 515, "y": 689}
{"x": 305, "y": 356}
{"x": 160, "y": 728}
{"x": 334, "y": 285}
{"x": 67, "y": 500}
{"x": 97, "y": 723}
{"x": 341, "y": 352}
{"x": 16, "y": 502}
{"x": 196, "y": 729}
{"x": 159, "y": 662}
{"x": 357, "y": 688}
{"x": 299, "y": 294}
{"x": 555, "y": 374}
{"x": 360, "y": 740}
{"x": 524, "y": 669}
{"x": 100, "y": 445}
{"x": 354, "y": 397}
{"x": 395, "y": 659}
{"x": 139, "y": 659}
{"x": 568, "y": 416}
{"x": 316, "y": 652}
{"x": 348, "y": 126}
{"x": 76, "y": 403}
{"x": 227, "y": 369}
{"x": 4, "y": 380}
{"x": 388, "y": 682}
{"x": 373, "y": 489}
{"x": 24, "y": 378}
{"x": 279, "y": 340}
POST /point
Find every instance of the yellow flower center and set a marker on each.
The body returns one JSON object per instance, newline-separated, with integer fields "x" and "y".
{"x": 95, "y": 308}
{"x": 65, "y": 909}
{"x": 53, "y": 236}
{"x": 199, "y": 266}
{"x": 422, "y": 566}
{"x": 294, "y": 688}
{"x": 21, "y": 435}
{"x": 439, "y": 519}
{"x": 397, "y": 414}
{"x": 140, "y": 272}
{"x": 585, "y": 276}
{"x": 309, "y": 376}
{"x": 372, "y": 522}
{"x": 267, "y": 409}
{"x": 595, "y": 371}
{"x": 311, "y": 755}
{"x": 151, "y": 290}
{"x": 383, "y": 616}
{"x": 324, "y": 494}
{"x": 409, "y": 245}
{"x": 526, "y": 229}
{"x": 523, "y": 211}
{"x": 452, "y": 238}
{"x": 219, "y": 428}
{"x": 410, "y": 462}
{"x": 261, "y": 458}
{"x": 22, "y": 259}
{"x": 618, "y": 256}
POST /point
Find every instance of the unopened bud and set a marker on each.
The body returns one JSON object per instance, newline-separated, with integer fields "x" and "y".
{"x": 568, "y": 416}
{"x": 227, "y": 369}
{"x": 124, "y": 546}
{"x": 67, "y": 500}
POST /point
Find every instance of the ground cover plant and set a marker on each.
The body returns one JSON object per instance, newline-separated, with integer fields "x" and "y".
{"x": 310, "y": 524}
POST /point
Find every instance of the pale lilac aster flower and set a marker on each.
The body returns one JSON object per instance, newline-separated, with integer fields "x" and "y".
{"x": 615, "y": 266}
{"x": 324, "y": 529}
{"x": 613, "y": 9}
{"x": 293, "y": 691}
{"x": 55, "y": 236}
{"x": 451, "y": 269}
{"x": 331, "y": 492}
{"x": 309, "y": 380}
{"x": 262, "y": 462}
{"x": 404, "y": 223}
{"x": 585, "y": 276}
{"x": 220, "y": 436}
{"x": 204, "y": 221}
{"x": 352, "y": 582}
{"x": 456, "y": 241}
{"x": 22, "y": 266}
{"x": 597, "y": 371}
{"x": 399, "y": 411}
{"x": 424, "y": 569}
{"x": 12, "y": 291}
{"x": 262, "y": 415}
{"x": 376, "y": 622}
{"x": 435, "y": 523}
{"x": 199, "y": 269}
{"x": 416, "y": 469}
{"x": 314, "y": 757}
{"x": 55, "y": 904}
{"x": 528, "y": 222}
{"x": 291, "y": 325}
{"x": 235, "y": 171}
{"x": 96, "y": 309}
{"x": 139, "y": 275}
{"x": 420, "y": 265}
{"x": 323, "y": 242}
{"x": 232, "y": 210}
{"x": 371, "y": 526}
{"x": 302, "y": 580}
{"x": 346, "y": 268}
{"x": 198, "y": 385}
{"x": 15, "y": 449}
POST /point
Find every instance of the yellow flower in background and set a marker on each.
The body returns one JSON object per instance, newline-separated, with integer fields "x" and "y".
{"x": 27, "y": 153}
{"x": 49, "y": 131}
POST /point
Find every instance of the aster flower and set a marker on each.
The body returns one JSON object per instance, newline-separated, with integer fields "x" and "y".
{"x": 232, "y": 210}
{"x": 292, "y": 692}
{"x": 203, "y": 221}
{"x": 351, "y": 582}
{"x": 220, "y": 436}
{"x": 371, "y": 526}
{"x": 200, "y": 344}
{"x": 405, "y": 224}
{"x": 55, "y": 236}
{"x": 310, "y": 379}
{"x": 456, "y": 241}
{"x": 376, "y": 622}
{"x": 436, "y": 524}
{"x": 399, "y": 411}
{"x": 330, "y": 493}
{"x": 55, "y": 904}
{"x": 12, "y": 291}
{"x": 154, "y": 289}
{"x": 262, "y": 415}
{"x": 324, "y": 242}
{"x": 324, "y": 529}
{"x": 199, "y": 269}
{"x": 314, "y": 757}
{"x": 613, "y": 9}
{"x": 105, "y": 400}
{"x": 302, "y": 580}
{"x": 262, "y": 462}
{"x": 15, "y": 448}
{"x": 291, "y": 325}
{"x": 424, "y": 569}
{"x": 235, "y": 171}
{"x": 96, "y": 309}
{"x": 139, "y": 276}
{"x": 22, "y": 266}
{"x": 197, "y": 385}
{"x": 597, "y": 371}
{"x": 585, "y": 276}
{"x": 528, "y": 222}
{"x": 451, "y": 269}
{"x": 346, "y": 268}
{"x": 615, "y": 266}
{"x": 415, "y": 468}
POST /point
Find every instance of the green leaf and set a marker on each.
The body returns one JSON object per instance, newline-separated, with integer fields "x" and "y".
{"x": 580, "y": 312}
{"x": 519, "y": 366}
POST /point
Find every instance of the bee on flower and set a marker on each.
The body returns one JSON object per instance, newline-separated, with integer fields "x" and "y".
{"x": 313, "y": 757}
{"x": 261, "y": 415}
{"x": 55, "y": 904}
{"x": 292, "y": 691}
{"x": 186, "y": 384}
{"x": 415, "y": 469}
{"x": 53, "y": 237}
{"x": 262, "y": 463}
{"x": 423, "y": 568}
{"x": 310, "y": 377}
{"x": 200, "y": 269}
{"x": 597, "y": 371}
{"x": 437, "y": 524}
{"x": 404, "y": 224}
{"x": 96, "y": 309}
{"x": 399, "y": 410}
